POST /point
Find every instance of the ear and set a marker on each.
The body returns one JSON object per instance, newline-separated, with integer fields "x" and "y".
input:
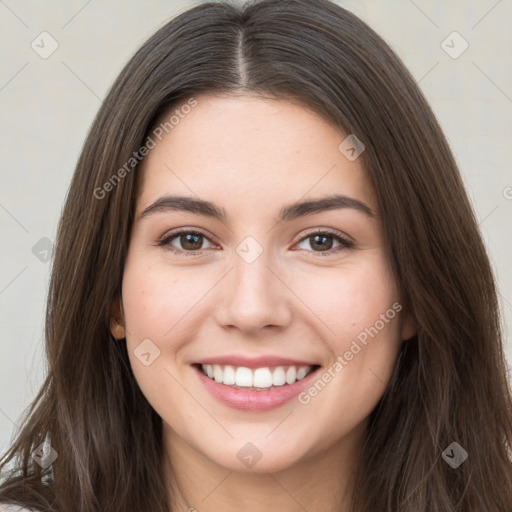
{"x": 409, "y": 325}
{"x": 117, "y": 320}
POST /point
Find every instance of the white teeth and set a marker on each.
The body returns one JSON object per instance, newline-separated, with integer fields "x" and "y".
{"x": 217, "y": 373}
{"x": 243, "y": 377}
{"x": 278, "y": 377}
{"x": 291, "y": 375}
{"x": 229, "y": 376}
{"x": 301, "y": 372}
{"x": 262, "y": 378}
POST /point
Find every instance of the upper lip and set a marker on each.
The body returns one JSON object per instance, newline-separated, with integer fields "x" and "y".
{"x": 255, "y": 362}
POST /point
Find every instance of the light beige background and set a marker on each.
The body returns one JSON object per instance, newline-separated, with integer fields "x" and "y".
{"x": 47, "y": 106}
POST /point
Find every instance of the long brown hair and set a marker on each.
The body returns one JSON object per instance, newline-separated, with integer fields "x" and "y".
{"x": 449, "y": 383}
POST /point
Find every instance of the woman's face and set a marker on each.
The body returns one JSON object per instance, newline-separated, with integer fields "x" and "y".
{"x": 254, "y": 290}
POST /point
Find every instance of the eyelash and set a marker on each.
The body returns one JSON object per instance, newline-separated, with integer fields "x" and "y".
{"x": 344, "y": 243}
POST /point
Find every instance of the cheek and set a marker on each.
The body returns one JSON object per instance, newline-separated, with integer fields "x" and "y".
{"x": 364, "y": 309}
{"x": 361, "y": 309}
{"x": 156, "y": 301}
{"x": 157, "y": 307}
{"x": 349, "y": 299}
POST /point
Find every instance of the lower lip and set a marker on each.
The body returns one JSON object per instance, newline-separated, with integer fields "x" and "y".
{"x": 251, "y": 400}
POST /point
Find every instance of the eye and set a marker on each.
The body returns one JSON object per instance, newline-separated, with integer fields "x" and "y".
{"x": 324, "y": 240}
{"x": 191, "y": 241}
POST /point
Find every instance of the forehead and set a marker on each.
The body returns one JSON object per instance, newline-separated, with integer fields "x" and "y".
{"x": 252, "y": 150}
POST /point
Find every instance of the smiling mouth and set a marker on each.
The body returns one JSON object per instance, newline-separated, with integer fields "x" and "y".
{"x": 256, "y": 379}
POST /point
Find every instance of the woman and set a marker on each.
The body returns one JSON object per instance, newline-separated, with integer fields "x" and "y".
{"x": 269, "y": 289}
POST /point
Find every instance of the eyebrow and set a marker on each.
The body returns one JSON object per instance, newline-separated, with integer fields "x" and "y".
{"x": 287, "y": 213}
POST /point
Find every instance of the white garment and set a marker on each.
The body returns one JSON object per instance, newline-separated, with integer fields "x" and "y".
{"x": 4, "y": 507}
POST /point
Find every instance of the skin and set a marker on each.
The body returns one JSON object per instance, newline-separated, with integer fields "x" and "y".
{"x": 251, "y": 156}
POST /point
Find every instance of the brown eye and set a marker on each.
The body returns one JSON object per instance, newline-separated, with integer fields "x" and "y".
{"x": 323, "y": 242}
{"x": 191, "y": 241}
{"x": 184, "y": 241}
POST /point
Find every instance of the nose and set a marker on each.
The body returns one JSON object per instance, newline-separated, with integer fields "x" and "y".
{"x": 253, "y": 296}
